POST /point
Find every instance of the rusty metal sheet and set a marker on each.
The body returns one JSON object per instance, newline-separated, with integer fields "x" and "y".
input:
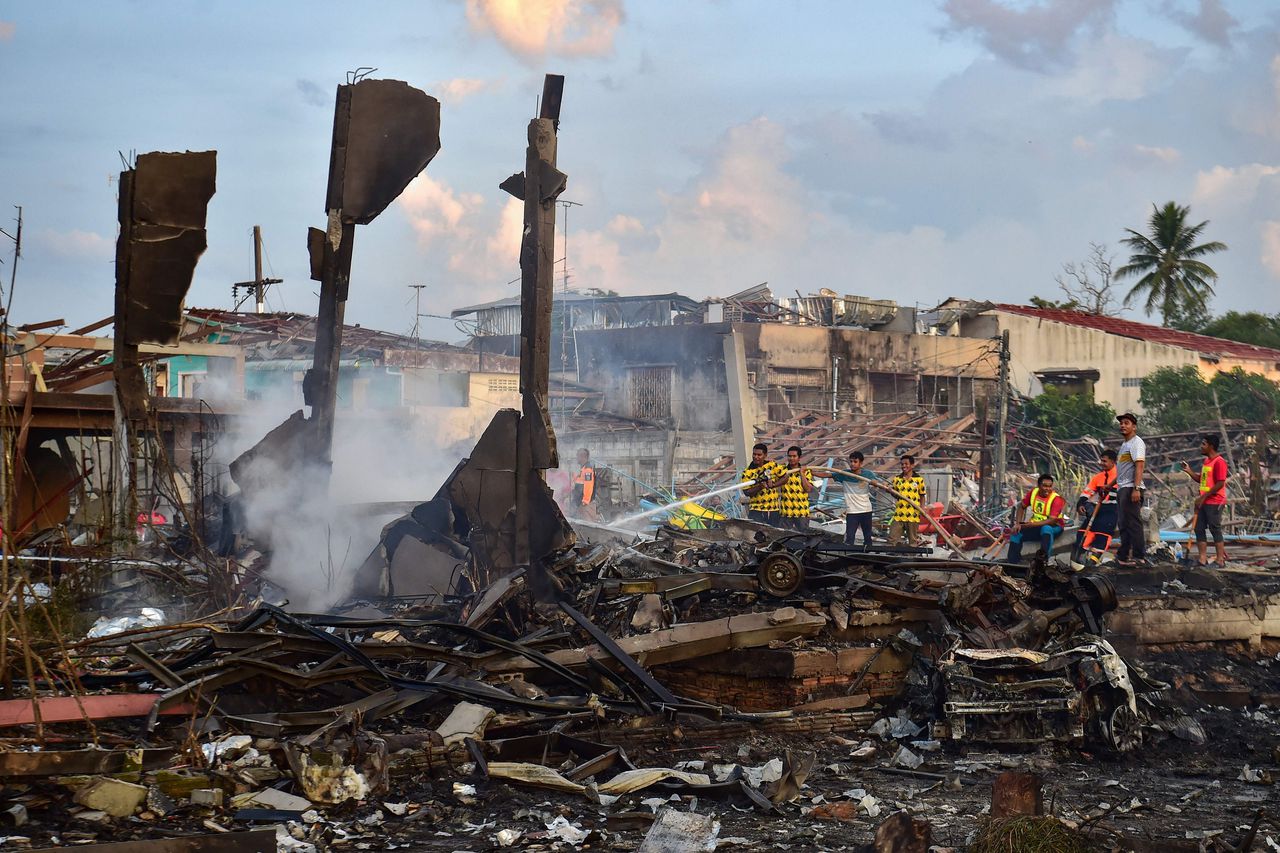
{"x": 484, "y": 489}
{"x": 67, "y": 709}
{"x": 165, "y": 239}
{"x": 393, "y": 133}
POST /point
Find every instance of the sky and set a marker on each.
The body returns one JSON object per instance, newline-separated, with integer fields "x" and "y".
{"x": 911, "y": 150}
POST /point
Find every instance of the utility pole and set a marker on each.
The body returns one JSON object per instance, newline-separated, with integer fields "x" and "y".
{"x": 1226, "y": 443}
{"x": 257, "y": 268}
{"x": 259, "y": 284}
{"x": 835, "y": 384}
{"x": 417, "y": 308}
{"x": 1002, "y": 421}
{"x": 566, "y": 313}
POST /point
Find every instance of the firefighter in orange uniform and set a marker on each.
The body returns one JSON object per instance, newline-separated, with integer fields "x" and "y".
{"x": 584, "y": 488}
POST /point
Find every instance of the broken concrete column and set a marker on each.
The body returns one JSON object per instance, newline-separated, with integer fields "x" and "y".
{"x": 1014, "y": 793}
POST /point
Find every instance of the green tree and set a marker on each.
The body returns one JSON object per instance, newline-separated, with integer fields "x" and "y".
{"x": 1247, "y": 397}
{"x": 1249, "y": 327}
{"x": 1188, "y": 316}
{"x": 1175, "y": 399}
{"x": 1172, "y": 276}
{"x": 1071, "y": 415}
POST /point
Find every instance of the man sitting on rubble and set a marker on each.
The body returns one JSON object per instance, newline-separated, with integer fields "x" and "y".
{"x": 1098, "y": 496}
{"x": 1211, "y": 500}
{"x": 793, "y": 492}
{"x": 906, "y": 513}
{"x": 763, "y": 493}
{"x": 1047, "y": 509}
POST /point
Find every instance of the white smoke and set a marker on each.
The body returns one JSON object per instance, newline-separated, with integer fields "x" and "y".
{"x": 318, "y": 537}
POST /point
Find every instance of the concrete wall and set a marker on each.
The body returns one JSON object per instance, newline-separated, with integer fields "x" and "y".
{"x": 694, "y": 354}
{"x": 877, "y": 372}
{"x": 463, "y": 424}
{"x": 647, "y": 455}
{"x": 789, "y": 370}
{"x": 1038, "y": 344}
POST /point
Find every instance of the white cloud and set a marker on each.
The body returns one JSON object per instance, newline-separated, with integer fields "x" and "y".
{"x": 1163, "y": 154}
{"x": 76, "y": 243}
{"x": 1270, "y": 231}
{"x": 1224, "y": 187}
{"x": 461, "y": 88}
{"x": 1112, "y": 67}
{"x": 534, "y": 29}
{"x": 623, "y": 225}
{"x": 434, "y": 208}
{"x": 1082, "y": 144}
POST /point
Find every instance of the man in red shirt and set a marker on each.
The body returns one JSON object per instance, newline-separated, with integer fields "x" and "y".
{"x": 1047, "y": 508}
{"x": 1212, "y": 498}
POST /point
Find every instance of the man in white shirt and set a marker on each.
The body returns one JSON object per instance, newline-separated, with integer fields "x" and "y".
{"x": 1131, "y": 465}
{"x": 857, "y": 499}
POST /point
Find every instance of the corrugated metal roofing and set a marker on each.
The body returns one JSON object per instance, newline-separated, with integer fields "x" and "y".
{"x": 1145, "y": 332}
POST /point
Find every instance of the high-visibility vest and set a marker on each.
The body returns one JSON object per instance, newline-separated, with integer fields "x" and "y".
{"x": 1100, "y": 482}
{"x": 586, "y": 478}
{"x": 1040, "y": 507}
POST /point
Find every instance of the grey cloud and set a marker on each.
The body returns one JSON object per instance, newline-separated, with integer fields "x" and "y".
{"x": 1037, "y": 38}
{"x": 313, "y": 94}
{"x": 1211, "y": 22}
{"x": 907, "y": 129}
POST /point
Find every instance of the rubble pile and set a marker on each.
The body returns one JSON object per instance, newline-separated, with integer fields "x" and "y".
{"x": 813, "y": 684}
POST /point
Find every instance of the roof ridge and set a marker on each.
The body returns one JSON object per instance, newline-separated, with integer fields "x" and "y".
{"x": 1142, "y": 331}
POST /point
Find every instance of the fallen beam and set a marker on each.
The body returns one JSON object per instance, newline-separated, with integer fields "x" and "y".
{"x": 80, "y": 762}
{"x": 683, "y": 642}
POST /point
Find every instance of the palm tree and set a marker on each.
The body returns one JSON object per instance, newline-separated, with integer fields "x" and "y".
{"x": 1174, "y": 279}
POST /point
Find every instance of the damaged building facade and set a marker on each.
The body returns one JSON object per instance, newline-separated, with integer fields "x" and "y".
{"x": 673, "y": 383}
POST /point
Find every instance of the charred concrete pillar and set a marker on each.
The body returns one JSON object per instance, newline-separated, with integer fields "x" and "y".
{"x": 163, "y": 202}
{"x": 539, "y": 187}
{"x": 385, "y": 132}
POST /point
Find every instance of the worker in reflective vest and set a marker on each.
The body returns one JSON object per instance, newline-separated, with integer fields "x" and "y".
{"x": 1046, "y": 522}
{"x": 1097, "y": 504}
{"x": 584, "y": 487}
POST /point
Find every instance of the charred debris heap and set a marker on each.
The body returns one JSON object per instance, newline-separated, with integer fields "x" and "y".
{"x": 503, "y": 678}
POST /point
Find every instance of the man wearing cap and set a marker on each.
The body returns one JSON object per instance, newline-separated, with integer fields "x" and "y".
{"x": 1131, "y": 465}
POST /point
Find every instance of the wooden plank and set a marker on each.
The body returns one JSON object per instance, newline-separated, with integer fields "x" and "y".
{"x": 70, "y": 709}
{"x": 75, "y": 762}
